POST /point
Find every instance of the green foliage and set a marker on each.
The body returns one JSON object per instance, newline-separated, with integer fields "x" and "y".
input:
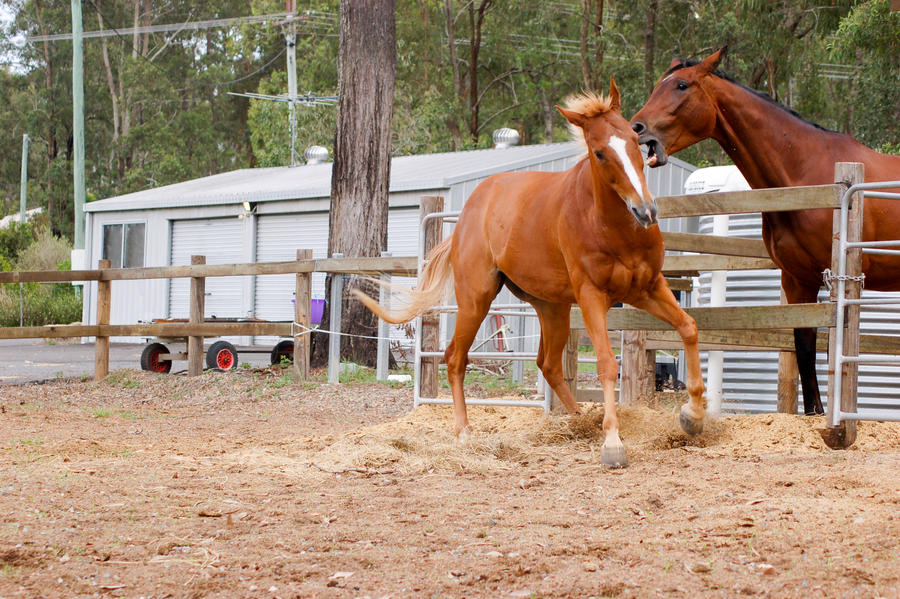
{"x": 13, "y": 240}
{"x": 40, "y": 303}
{"x": 869, "y": 37}
{"x": 160, "y": 113}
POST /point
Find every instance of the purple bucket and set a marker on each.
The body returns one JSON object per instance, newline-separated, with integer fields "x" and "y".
{"x": 317, "y": 309}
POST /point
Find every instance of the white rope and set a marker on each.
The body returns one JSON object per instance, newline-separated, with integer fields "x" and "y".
{"x": 306, "y": 331}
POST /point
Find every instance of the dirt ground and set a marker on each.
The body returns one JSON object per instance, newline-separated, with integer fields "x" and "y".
{"x": 247, "y": 485}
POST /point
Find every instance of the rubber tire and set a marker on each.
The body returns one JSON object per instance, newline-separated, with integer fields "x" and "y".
{"x": 282, "y": 348}
{"x": 221, "y": 356}
{"x": 150, "y": 358}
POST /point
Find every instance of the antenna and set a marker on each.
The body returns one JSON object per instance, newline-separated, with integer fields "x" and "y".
{"x": 292, "y": 98}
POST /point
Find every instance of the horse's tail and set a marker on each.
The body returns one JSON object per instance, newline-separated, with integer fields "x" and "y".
{"x": 430, "y": 291}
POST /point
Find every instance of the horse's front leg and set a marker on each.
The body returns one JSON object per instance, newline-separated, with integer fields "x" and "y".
{"x": 594, "y": 306}
{"x": 662, "y": 304}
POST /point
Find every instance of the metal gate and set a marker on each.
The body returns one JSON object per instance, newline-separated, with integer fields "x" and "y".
{"x": 834, "y": 411}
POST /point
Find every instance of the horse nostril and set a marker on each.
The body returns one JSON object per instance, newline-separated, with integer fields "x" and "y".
{"x": 638, "y": 127}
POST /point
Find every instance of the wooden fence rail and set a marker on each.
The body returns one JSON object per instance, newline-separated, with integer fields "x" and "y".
{"x": 196, "y": 329}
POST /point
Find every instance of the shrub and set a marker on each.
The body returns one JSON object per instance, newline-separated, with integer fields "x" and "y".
{"x": 42, "y": 303}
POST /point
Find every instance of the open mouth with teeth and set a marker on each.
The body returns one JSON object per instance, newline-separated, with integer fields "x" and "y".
{"x": 656, "y": 153}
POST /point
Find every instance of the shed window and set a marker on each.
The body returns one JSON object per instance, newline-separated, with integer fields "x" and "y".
{"x": 123, "y": 245}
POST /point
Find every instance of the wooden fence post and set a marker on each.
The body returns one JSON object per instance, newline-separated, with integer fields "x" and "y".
{"x": 787, "y": 378}
{"x": 844, "y": 435}
{"x": 197, "y": 307}
{"x": 428, "y": 386}
{"x": 302, "y": 317}
{"x": 101, "y": 347}
{"x": 638, "y": 368}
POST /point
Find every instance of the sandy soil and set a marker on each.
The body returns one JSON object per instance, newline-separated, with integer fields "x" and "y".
{"x": 247, "y": 485}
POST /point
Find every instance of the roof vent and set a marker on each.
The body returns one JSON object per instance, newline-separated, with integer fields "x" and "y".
{"x": 315, "y": 154}
{"x": 505, "y": 137}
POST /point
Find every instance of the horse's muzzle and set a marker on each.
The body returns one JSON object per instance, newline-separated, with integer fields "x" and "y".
{"x": 656, "y": 151}
{"x": 644, "y": 214}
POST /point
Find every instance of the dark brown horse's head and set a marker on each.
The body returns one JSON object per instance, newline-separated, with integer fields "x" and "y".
{"x": 680, "y": 111}
{"x": 613, "y": 150}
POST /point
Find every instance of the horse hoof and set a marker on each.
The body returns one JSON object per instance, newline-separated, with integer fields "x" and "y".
{"x": 689, "y": 424}
{"x": 463, "y": 435}
{"x": 613, "y": 457}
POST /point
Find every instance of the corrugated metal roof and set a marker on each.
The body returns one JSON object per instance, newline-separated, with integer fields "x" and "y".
{"x": 408, "y": 173}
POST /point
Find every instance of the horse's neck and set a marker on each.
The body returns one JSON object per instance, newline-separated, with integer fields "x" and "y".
{"x": 770, "y": 146}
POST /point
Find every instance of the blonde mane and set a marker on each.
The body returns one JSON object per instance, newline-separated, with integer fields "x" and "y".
{"x": 588, "y": 103}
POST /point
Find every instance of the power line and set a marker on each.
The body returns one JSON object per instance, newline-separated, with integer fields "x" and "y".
{"x": 324, "y": 22}
{"x": 119, "y": 33}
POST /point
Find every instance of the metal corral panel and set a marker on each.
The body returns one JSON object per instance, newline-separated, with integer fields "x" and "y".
{"x": 750, "y": 379}
{"x": 220, "y": 240}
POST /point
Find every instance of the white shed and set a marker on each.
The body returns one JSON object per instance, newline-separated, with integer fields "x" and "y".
{"x": 266, "y": 214}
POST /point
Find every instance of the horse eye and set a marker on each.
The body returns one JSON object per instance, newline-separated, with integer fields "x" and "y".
{"x": 682, "y": 85}
{"x": 599, "y": 155}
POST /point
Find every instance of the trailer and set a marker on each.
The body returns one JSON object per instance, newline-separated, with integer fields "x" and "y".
{"x": 221, "y": 355}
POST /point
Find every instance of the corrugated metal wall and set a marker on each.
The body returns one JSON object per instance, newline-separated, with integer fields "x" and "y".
{"x": 220, "y": 240}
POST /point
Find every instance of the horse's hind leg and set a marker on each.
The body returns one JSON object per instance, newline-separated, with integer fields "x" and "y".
{"x": 474, "y": 293}
{"x": 662, "y": 304}
{"x": 554, "y": 335}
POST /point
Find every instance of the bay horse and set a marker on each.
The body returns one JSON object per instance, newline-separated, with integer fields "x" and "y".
{"x": 774, "y": 147}
{"x": 587, "y": 236}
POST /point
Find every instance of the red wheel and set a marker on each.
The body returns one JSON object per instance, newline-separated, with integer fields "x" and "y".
{"x": 221, "y": 355}
{"x": 150, "y": 358}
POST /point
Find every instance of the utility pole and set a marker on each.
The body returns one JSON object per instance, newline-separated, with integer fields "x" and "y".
{"x": 23, "y": 200}
{"x": 23, "y": 179}
{"x": 290, "y": 39}
{"x": 78, "y": 120}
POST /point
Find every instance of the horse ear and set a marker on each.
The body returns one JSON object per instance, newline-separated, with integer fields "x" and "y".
{"x": 675, "y": 62}
{"x": 573, "y": 117}
{"x": 614, "y": 97}
{"x": 710, "y": 63}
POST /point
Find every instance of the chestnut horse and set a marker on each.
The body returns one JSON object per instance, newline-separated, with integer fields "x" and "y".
{"x": 585, "y": 236}
{"x": 773, "y": 147}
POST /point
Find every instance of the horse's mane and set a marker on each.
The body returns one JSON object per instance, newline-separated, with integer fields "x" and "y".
{"x": 588, "y": 103}
{"x": 690, "y": 63}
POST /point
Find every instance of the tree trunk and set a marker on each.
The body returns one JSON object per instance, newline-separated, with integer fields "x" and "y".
{"x": 362, "y": 160}
{"x": 591, "y": 26}
{"x": 476, "y": 23}
{"x": 52, "y": 141}
{"x": 650, "y": 44}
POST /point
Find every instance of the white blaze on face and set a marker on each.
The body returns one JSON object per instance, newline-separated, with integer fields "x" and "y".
{"x": 618, "y": 145}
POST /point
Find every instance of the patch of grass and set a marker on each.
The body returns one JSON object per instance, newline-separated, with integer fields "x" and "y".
{"x": 31, "y": 441}
{"x": 361, "y": 374}
{"x": 101, "y": 413}
{"x": 123, "y": 379}
{"x": 8, "y": 570}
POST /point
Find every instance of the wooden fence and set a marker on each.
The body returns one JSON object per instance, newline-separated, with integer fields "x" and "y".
{"x": 196, "y": 329}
